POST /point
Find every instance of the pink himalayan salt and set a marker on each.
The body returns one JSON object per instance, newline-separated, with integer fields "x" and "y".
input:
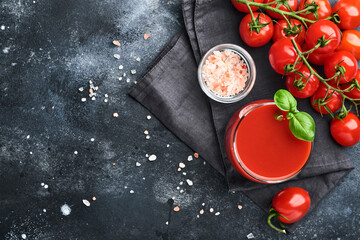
{"x": 225, "y": 73}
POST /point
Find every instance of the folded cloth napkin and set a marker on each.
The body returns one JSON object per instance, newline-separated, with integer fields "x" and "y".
{"x": 170, "y": 90}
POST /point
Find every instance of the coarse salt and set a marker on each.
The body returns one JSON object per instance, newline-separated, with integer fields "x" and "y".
{"x": 217, "y": 214}
{"x": 190, "y": 158}
{"x": 146, "y": 132}
{"x": 117, "y": 56}
{"x": 83, "y": 99}
{"x": 138, "y": 59}
{"x": 131, "y": 191}
{"x": 86, "y": 202}
{"x": 148, "y": 117}
{"x": 152, "y": 158}
{"x": 115, "y": 115}
{"x": 65, "y": 210}
{"x": 202, "y": 211}
{"x": 240, "y": 207}
{"x": 121, "y": 67}
{"x": 181, "y": 165}
{"x": 211, "y": 210}
{"x": 133, "y": 71}
{"x": 116, "y": 43}
{"x": 225, "y": 73}
{"x": 147, "y": 137}
{"x": 138, "y": 164}
{"x": 23, "y": 236}
{"x": 189, "y": 182}
{"x": 184, "y": 173}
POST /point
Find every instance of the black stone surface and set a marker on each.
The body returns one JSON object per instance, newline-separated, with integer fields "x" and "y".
{"x": 49, "y": 49}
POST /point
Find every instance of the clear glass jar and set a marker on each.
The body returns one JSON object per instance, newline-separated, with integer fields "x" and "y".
{"x": 251, "y": 74}
{"x": 260, "y": 145}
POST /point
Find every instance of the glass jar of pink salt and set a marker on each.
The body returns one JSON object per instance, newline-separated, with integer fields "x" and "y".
{"x": 227, "y": 73}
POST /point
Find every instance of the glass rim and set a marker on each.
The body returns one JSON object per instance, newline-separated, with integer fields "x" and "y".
{"x": 250, "y": 64}
{"x": 240, "y": 162}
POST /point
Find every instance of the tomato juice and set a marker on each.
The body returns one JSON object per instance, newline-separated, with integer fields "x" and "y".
{"x": 262, "y": 148}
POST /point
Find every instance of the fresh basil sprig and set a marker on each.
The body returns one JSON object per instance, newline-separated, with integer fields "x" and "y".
{"x": 301, "y": 124}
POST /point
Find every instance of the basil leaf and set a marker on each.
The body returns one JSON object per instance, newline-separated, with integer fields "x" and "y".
{"x": 285, "y": 101}
{"x": 302, "y": 125}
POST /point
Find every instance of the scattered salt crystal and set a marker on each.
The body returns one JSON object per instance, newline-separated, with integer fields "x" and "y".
{"x": 31, "y": 153}
{"x": 204, "y": 163}
{"x": 44, "y": 210}
{"x": 190, "y": 158}
{"x": 181, "y": 183}
{"x": 146, "y": 132}
{"x": 179, "y": 169}
{"x": 131, "y": 191}
{"x": 197, "y": 216}
{"x": 203, "y": 204}
{"x": 181, "y": 165}
{"x": 42, "y": 184}
{"x": 181, "y": 191}
{"x": 147, "y": 155}
{"x": 28, "y": 136}
{"x": 133, "y": 71}
{"x": 106, "y": 100}
{"x": 6, "y": 50}
{"x": 117, "y": 56}
{"x": 147, "y": 137}
{"x": 184, "y": 173}
{"x": 83, "y": 99}
{"x": 46, "y": 186}
{"x": 167, "y": 223}
{"x": 240, "y": 207}
{"x": 120, "y": 78}
{"x": 202, "y": 211}
{"x": 178, "y": 188}
{"x": 143, "y": 178}
{"x": 81, "y": 89}
{"x": 93, "y": 98}
{"x": 121, "y": 67}
{"x": 128, "y": 80}
{"x": 138, "y": 164}
{"x": 116, "y": 43}
{"x": 124, "y": 75}
{"x": 217, "y": 214}
{"x": 86, "y": 202}
{"x": 93, "y": 198}
{"x": 250, "y": 236}
{"x": 138, "y": 59}
{"x": 115, "y": 115}
{"x": 2, "y": 27}
{"x": 125, "y": 187}
{"x": 211, "y": 210}
{"x": 106, "y": 95}
{"x": 65, "y": 209}
{"x": 75, "y": 152}
{"x": 168, "y": 145}
{"x": 148, "y": 117}
{"x": 189, "y": 182}
{"x": 13, "y": 64}
{"x": 92, "y": 139}
{"x": 135, "y": 82}
{"x": 23, "y": 236}
{"x": 152, "y": 157}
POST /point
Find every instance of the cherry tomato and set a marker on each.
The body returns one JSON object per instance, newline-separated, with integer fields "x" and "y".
{"x": 333, "y": 65}
{"x": 324, "y": 28}
{"x": 251, "y": 37}
{"x": 292, "y": 3}
{"x": 355, "y": 92}
{"x": 295, "y": 83}
{"x": 281, "y": 54}
{"x": 346, "y": 131}
{"x": 330, "y": 101}
{"x": 282, "y": 30}
{"x": 292, "y": 203}
{"x": 243, "y": 8}
{"x": 316, "y": 58}
{"x": 349, "y": 13}
{"x": 324, "y": 10}
{"x": 350, "y": 42}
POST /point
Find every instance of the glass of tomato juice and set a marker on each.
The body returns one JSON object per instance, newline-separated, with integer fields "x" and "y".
{"x": 260, "y": 145}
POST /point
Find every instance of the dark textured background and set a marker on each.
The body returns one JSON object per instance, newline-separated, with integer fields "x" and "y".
{"x": 51, "y": 48}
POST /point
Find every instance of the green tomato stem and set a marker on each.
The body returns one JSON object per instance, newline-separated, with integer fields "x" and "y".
{"x": 270, "y": 217}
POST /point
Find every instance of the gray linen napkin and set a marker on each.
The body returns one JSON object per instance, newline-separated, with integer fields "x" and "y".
{"x": 170, "y": 90}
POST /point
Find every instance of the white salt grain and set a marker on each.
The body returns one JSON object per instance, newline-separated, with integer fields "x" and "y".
{"x": 168, "y": 145}
{"x": 146, "y": 132}
{"x": 93, "y": 98}
{"x": 152, "y": 157}
{"x": 42, "y": 184}
{"x": 106, "y": 100}
{"x": 178, "y": 188}
{"x": 83, "y": 99}
{"x": 23, "y": 236}
{"x": 124, "y": 75}
{"x": 44, "y": 210}
{"x": 184, "y": 173}
{"x": 202, "y": 211}
{"x": 167, "y": 223}
{"x": 181, "y": 191}
{"x": 133, "y": 71}
{"x": 31, "y": 153}
{"x": 138, "y": 59}
{"x": 2, "y": 27}
{"x": 120, "y": 78}
{"x": 28, "y": 136}
{"x": 203, "y": 204}
{"x": 65, "y": 210}
{"x": 179, "y": 169}
{"x": 117, "y": 56}
{"x": 115, "y": 115}
{"x": 128, "y": 80}
{"x": 250, "y": 236}
{"x": 217, "y": 214}
{"x": 138, "y": 164}
{"x": 181, "y": 183}
{"x": 181, "y": 165}
{"x": 81, "y": 89}
{"x": 75, "y": 152}
{"x": 131, "y": 191}
{"x": 190, "y": 158}
{"x": 92, "y": 139}
{"x": 86, "y": 202}
{"x": 106, "y": 95}
{"x": 121, "y": 67}
{"x": 147, "y": 155}
{"x": 211, "y": 210}
{"x": 46, "y": 186}
{"x": 189, "y": 182}
{"x": 148, "y": 117}
{"x": 147, "y": 137}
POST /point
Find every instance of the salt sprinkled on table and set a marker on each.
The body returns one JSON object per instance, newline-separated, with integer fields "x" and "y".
{"x": 190, "y": 158}
{"x": 86, "y": 202}
{"x": 65, "y": 210}
{"x": 152, "y": 158}
{"x": 250, "y": 236}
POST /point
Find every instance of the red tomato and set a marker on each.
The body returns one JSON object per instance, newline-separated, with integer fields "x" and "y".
{"x": 251, "y": 37}
{"x": 243, "y": 8}
{"x": 348, "y": 63}
{"x": 295, "y": 83}
{"x": 282, "y": 30}
{"x": 292, "y": 3}
{"x": 355, "y": 92}
{"x": 281, "y": 54}
{"x": 316, "y": 58}
{"x": 330, "y": 101}
{"x": 350, "y": 42}
{"x": 322, "y": 28}
{"x": 292, "y": 203}
{"x": 349, "y": 13}
{"x": 346, "y": 131}
{"x": 324, "y": 10}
